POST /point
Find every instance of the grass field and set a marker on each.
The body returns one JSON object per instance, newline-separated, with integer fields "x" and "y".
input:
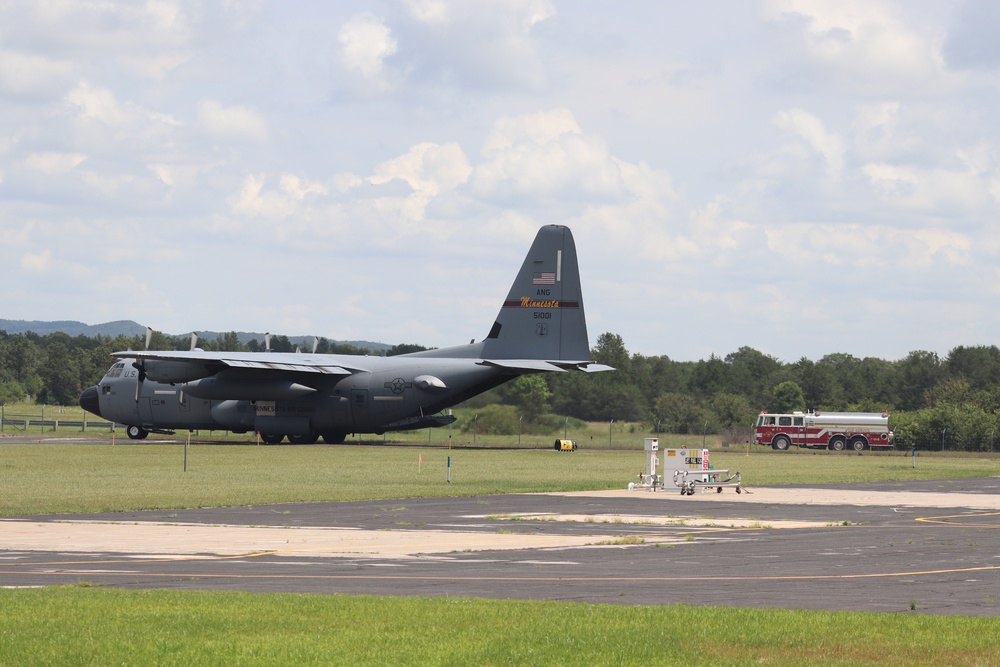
{"x": 67, "y": 478}
{"x": 93, "y": 625}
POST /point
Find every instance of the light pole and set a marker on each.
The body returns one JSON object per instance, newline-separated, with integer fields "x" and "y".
{"x": 520, "y": 417}
{"x": 610, "y": 443}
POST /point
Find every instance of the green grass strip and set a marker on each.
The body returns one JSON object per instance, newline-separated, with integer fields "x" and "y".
{"x": 59, "y": 478}
{"x": 96, "y": 626}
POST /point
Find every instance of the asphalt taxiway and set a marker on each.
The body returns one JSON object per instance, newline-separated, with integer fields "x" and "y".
{"x": 932, "y": 547}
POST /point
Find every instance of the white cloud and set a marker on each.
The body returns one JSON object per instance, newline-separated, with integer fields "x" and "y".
{"x": 92, "y": 102}
{"x": 866, "y": 46}
{"x": 365, "y": 43}
{"x": 429, "y": 170}
{"x": 54, "y": 163}
{"x": 231, "y": 123}
{"x": 811, "y": 129}
{"x": 491, "y": 42}
{"x": 29, "y": 75}
{"x": 428, "y": 11}
{"x": 38, "y": 262}
{"x": 287, "y": 200}
{"x": 543, "y": 157}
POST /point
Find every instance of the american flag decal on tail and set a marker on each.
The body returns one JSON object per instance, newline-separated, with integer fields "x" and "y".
{"x": 544, "y": 278}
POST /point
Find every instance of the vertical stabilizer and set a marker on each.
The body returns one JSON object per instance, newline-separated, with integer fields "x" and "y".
{"x": 542, "y": 317}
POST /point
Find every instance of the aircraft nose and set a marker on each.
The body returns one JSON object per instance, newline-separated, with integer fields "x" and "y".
{"x": 89, "y": 401}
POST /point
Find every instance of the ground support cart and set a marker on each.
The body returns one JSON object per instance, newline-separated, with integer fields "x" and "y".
{"x": 689, "y": 480}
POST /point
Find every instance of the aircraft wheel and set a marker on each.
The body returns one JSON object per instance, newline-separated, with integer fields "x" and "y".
{"x": 307, "y": 439}
{"x": 272, "y": 438}
{"x": 334, "y": 437}
{"x": 136, "y": 433}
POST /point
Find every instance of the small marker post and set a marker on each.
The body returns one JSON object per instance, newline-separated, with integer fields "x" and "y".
{"x": 449, "y": 470}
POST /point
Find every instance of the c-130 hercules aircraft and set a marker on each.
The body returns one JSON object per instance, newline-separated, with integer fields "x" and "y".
{"x": 541, "y": 328}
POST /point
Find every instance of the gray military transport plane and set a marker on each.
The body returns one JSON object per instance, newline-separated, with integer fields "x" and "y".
{"x": 541, "y": 328}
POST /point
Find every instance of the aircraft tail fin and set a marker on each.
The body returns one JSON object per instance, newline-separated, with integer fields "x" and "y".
{"x": 542, "y": 317}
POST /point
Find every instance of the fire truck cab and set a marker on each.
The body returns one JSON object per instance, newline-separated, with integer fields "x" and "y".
{"x": 824, "y": 430}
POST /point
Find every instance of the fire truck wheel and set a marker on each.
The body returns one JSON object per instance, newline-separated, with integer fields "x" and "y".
{"x": 858, "y": 444}
{"x": 781, "y": 443}
{"x": 837, "y": 444}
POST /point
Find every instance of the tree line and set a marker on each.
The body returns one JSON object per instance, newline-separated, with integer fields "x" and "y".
{"x": 951, "y": 402}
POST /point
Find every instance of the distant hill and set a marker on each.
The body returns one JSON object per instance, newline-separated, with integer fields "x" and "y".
{"x": 71, "y": 328}
{"x": 129, "y": 328}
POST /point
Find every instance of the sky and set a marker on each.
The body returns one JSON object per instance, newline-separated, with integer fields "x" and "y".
{"x": 800, "y": 177}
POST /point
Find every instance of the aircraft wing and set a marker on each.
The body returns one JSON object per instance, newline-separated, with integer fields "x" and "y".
{"x": 327, "y": 364}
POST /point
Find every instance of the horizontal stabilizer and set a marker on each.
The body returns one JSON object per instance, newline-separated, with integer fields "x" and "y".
{"x": 545, "y": 366}
{"x": 595, "y": 368}
{"x": 524, "y": 365}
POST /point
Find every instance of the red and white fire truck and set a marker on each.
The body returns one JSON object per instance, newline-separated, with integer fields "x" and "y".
{"x": 824, "y": 430}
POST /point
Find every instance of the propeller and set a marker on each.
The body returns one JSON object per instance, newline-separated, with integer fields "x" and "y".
{"x": 140, "y": 365}
{"x": 315, "y": 344}
{"x": 194, "y": 340}
{"x": 267, "y": 342}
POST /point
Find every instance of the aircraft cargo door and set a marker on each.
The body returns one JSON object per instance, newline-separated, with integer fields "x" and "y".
{"x": 145, "y": 410}
{"x": 359, "y": 409}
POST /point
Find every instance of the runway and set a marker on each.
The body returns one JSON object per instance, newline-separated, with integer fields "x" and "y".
{"x": 930, "y": 547}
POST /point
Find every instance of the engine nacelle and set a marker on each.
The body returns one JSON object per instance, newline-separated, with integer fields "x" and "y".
{"x": 222, "y": 386}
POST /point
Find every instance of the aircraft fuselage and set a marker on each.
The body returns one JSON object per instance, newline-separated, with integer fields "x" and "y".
{"x": 398, "y": 393}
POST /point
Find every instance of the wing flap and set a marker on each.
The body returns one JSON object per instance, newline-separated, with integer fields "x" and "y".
{"x": 292, "y": 367}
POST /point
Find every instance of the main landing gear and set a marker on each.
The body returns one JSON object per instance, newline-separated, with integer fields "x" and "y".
{"x": 330, "y": 438}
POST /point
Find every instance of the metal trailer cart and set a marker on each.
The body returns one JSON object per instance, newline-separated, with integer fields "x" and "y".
{"x": 689, "y": 480}
{"x": 690, "y": 470}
